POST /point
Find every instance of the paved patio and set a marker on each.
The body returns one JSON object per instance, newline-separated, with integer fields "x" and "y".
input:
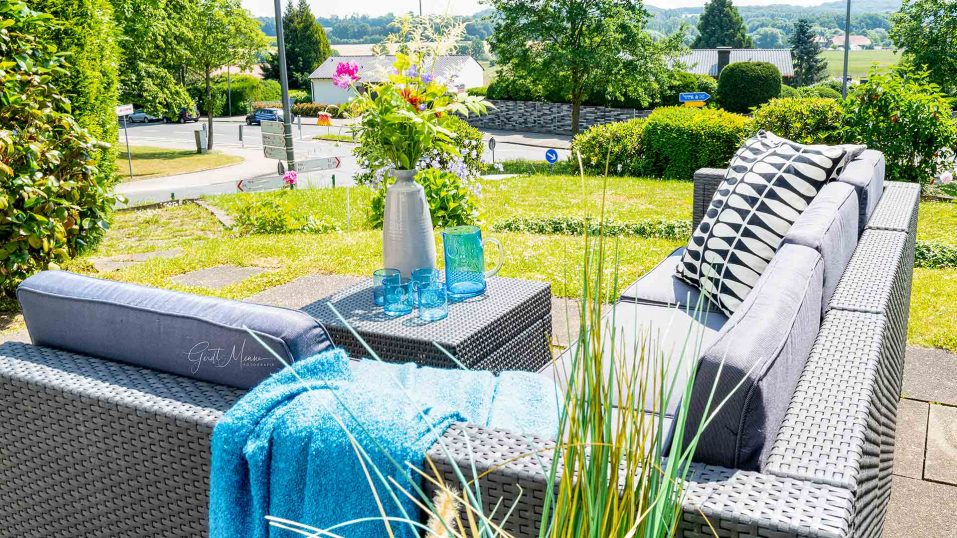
{"x": 924, "y": 498}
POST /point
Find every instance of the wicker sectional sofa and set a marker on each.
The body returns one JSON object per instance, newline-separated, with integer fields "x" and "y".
{"x": 91, "y": 447}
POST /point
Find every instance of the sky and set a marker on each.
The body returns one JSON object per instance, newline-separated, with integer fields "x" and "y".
{"x": 453, "y": 7}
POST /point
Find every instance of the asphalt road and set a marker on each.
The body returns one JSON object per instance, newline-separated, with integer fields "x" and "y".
{"x": 227, "y": 139}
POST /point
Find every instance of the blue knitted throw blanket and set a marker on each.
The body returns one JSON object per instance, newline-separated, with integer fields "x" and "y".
{"x": 289, "y": 448}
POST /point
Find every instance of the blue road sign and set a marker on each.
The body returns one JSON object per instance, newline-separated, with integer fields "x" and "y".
{"x": 693, "y": 96}
{"x": 551, "y": 156}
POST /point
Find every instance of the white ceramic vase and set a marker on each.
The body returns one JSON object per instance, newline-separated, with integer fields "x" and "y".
{"x": 407, "y": 239}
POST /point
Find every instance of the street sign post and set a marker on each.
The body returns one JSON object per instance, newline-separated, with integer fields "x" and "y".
{"x": 322, "y": 163}
{"x": 491, "y": 146}
{"x": 274, "y": 152}
{"x": 694, "y": 99}
{"x": 272, "y": 127}
{"x": 551, "y": 156}
{"x": 123, "y": 111}
{"x": 275, "y": 140}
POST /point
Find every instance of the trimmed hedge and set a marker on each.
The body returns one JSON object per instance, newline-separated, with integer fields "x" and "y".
{"x": 804, "y": 120}
{"x": 86, "y": 33}
{"x": 679, "y": 140}
{"x": 478, "y": 91}
{"x": 619, "y": 146}
{"x": 658, "y": 229}
{"x": 745, "y": 85}
{"x": 312, "y": 110}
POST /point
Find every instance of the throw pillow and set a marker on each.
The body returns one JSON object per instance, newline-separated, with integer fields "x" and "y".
{"x": 769, "y": 183}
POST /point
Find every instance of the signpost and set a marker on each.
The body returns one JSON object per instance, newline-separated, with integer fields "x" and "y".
{"x": 694, "y": 99}
{"x": 491, "y": 146}
{"x": 274, "y": 141}
{"x": 551, "y": 156}
{"x": 123, "y": 111}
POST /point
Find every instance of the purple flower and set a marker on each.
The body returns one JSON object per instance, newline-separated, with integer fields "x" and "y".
{"x": 427, "y": 77}
{"x": 347, "y": 73}
{"x": 422, "y": 106}
{"x": 412, "y": 71}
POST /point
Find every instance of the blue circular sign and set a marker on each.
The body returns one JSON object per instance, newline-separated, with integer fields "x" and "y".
{"x": 551, "y": 156}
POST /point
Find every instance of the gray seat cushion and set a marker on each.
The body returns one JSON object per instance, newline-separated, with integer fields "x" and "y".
{"x": 190, "y": 335}
{"x": 760, "y": 354}
{"x": 866, "y": 175}
{"x": 674, "y": 336}
{"x": 661, "y": 286}
{"x": 829, "y": 226}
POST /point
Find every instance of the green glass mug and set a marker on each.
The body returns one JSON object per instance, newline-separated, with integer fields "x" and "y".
{"x": 465, "y": 273}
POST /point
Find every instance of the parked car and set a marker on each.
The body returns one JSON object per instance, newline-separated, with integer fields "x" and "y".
{"x": 264, "y": 114}
{"x": 187, "y": 115}
{"x": 140, "y": 116}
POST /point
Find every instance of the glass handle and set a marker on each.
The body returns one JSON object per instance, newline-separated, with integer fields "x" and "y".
{"x": 501, "y": 256}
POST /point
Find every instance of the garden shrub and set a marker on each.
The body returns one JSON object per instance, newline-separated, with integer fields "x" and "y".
{"x": 819, "y": 90}
{"x": 312, "y": 110}
{"x": 679, "y": 140}
{"x": 618, "y": 145}
{"x": 86, "y": 33}
{"x": 745, "y": 85}
{"x": 934, "y": 255}
{"x": 157, "y": 92}
{"x": 905, "y": 116}
{"x": 804, "y": 120}
{"x": 478, "y": 91}
{"x": 246, "y": 90}
{"x": 787, "y": 92}
{"x": 509, "y": 87}
{"x": 55, "y": 201}
{"x": 451, "y": 201}
{"x": 269, "y": 217}
{"x": 659, "y": 229}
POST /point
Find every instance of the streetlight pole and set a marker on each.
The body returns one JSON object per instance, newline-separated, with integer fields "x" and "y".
{"x": 847, "y": 47}
{"x": 284, "y": 83}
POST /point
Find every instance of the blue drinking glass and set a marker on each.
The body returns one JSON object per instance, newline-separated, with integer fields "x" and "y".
{"x": 398, "y": 298}
{"x": 433, "y": 301}
{"x": 423, "y": 277}
{"x": 379, "y": 278}
{"x": 465, "y": 272}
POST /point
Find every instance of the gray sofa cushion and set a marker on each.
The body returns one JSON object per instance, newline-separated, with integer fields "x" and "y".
{"x": 673, "y": 333}
{"x": 830, "y": 226}
{"x": 189, "y": 335}
{"x": 764, "y": 346}
{"x": 660, "y": 286}
{"x": 866, "y": 175}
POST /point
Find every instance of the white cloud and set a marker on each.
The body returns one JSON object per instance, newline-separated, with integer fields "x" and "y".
{"x": 454, "y": 7}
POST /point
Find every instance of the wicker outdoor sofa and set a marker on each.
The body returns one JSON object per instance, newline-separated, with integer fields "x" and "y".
{"x": 90, "y": 447}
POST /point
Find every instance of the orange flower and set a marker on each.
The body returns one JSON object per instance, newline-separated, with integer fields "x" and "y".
{"x": 411, "y": 97}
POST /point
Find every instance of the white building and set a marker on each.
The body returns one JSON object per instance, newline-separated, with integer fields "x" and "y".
{"x": 461, "y": 72}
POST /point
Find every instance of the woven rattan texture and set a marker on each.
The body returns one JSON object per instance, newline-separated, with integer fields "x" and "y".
{"x": 513, "y": 472}
{"x": 706, "y": 183}
{"x": 505, "y": 318}
{"x": 897, "y": 208}
{"x": 94, "y": 448}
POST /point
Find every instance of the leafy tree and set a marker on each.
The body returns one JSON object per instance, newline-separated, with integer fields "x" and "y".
{"x": 54, "y": 201}
{"x": 223, "y": 34}
{"x": 721, "y": 26}
{"x": 571, "y": 47}
{"x": 768, "y": 38}
{"x": 306, "y": 46}
{"x": 809, "y": 66}
{"x": 86, "y": 33}
{"x": 927, "y": 32}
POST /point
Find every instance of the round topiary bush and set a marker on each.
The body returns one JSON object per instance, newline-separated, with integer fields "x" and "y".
{"x": 679, "y": 140}
{"x": 745, "y": 85}
{"x": 811, "y": 120}
{"x": 54, "y": 200}
{"x": 615, "y": 146}
{"x": 819, "y": 90}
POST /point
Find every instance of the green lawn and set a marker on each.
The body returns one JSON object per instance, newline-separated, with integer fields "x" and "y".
{"x": 859, "y": 61}
{"x": 150, "y": 162}
{"x": 357, "y": 249}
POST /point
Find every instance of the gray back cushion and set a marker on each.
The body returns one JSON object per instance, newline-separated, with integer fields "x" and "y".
{"x": 661, "y": 286}
{"x": 830, "y": 226}
{"x": 866, "y": 175}
{"x": 190, "y": 335}
{"x": 763, "y": 347}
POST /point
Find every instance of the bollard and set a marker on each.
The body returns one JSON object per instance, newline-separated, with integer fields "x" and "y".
{"x": 241, "y": 136}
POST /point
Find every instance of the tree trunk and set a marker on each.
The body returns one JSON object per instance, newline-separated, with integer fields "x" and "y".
{"x": 576, "y": 112}
{"x": 209, "y": 111}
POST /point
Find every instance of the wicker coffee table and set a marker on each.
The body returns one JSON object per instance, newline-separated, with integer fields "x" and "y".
{"x": 508, "y": 328}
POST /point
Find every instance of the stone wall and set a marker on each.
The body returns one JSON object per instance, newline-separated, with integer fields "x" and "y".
{"x": 551, "y": 118}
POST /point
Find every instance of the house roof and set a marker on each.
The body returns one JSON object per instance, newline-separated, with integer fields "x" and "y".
{"x": 705, "y": 61}
{"x": 377, "y": 68}
{"x": 856, "y": 40}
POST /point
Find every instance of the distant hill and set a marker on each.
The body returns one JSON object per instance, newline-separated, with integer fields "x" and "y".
{"x": 876, "y": 6}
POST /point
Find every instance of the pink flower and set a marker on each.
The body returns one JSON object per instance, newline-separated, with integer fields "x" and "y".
{"x": 290, "y": 178}
{"x": 946, "y": 177}
{"x": 347, "y": 73}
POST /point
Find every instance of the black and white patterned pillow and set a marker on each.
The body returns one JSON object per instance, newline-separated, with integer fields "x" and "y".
{"x": 769, "y": 183}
